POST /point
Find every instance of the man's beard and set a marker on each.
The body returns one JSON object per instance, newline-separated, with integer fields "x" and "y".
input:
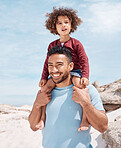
{"x": 64, "y": 77}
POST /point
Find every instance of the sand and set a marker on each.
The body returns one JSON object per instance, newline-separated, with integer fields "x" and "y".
{"x": 16, "y": 133}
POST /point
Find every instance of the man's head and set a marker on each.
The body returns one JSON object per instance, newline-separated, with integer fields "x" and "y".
{"x": 60, "y": 64}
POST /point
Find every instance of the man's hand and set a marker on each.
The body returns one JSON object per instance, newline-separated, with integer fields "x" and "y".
{"x": 42, "y": 99}
{"x": 81, "y": 96}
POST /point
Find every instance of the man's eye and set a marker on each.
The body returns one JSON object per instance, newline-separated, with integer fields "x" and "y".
{"x": 59, "y": 64}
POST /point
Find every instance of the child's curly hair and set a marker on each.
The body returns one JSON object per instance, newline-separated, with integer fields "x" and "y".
{"x": 52, "y": 19}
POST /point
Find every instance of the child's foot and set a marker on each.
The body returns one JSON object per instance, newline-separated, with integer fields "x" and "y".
{"x": 40, "y": 125}
{"x": 84, "y": 126}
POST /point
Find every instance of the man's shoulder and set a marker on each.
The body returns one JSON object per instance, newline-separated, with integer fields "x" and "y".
{"x": 95, "y": 97}
{"x": 92, "y": 90}
{"x": 91, "y": 87}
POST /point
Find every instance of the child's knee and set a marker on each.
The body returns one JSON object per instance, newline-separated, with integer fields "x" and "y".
{"x": 76, "y": 80}
{"x": 48, "y": 87}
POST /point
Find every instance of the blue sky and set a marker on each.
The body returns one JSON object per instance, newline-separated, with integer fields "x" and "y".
{"x": 24, "y": 41}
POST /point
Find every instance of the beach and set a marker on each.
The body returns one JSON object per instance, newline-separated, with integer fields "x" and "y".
{"x": 15, "y": 131}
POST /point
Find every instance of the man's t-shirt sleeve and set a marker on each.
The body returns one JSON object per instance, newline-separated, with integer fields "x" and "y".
{"x": 95, "y": 98}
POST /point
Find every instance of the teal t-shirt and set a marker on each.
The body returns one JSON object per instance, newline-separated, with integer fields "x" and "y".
{"x": 63, "y": 118}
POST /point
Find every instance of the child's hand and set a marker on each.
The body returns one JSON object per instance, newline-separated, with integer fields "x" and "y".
{"x": 42, "y": 82}
{"x": 84, "y": 81}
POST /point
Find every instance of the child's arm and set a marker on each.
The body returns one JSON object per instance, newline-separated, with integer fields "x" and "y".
{"x": 45, "y": 72}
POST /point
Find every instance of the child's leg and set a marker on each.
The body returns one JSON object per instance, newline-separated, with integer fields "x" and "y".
{"x": 48, "y": 87}
{"x": 41, "y": 123}
{"x": 84, "y": 124}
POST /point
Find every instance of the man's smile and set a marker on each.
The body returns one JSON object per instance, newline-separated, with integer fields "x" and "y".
{"x": 55, "y": 75}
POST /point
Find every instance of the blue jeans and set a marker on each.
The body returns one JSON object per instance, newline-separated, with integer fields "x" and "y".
{"x": 76, "y": 72}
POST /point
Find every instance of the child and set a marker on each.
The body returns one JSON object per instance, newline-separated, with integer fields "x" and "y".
{"x": 62, "y": 22}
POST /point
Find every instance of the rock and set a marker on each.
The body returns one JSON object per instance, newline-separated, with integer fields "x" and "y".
{"x": 110, "y": 94}
{"x": 111, "y": 107}
{"x": 117, "y": 118}
{"x": 113, "y": 135}
{"x": 100, "y": 89}
{"x": 96, "y": 84}
{"x": 15, "y": 113}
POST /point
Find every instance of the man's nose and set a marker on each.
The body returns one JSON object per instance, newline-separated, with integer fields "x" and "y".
{"x": 54, "y": 69}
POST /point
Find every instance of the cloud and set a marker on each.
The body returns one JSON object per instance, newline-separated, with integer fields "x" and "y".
{"x": 18, "y": 18}
{"x": 83, "y": 5}
{"x": 105, "y": 17}
{"x": 20, "y": 45}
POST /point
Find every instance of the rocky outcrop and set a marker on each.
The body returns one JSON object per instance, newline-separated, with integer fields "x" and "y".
{"x": 111, "y": 97}
{"x": 15, "y": 112}
{"x": 110, "y": 94}
{"x": 113, "y": 134}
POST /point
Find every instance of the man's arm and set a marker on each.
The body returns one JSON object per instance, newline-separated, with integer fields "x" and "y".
{"x": 96, "y": 118}
{"x": 41, "y": 100}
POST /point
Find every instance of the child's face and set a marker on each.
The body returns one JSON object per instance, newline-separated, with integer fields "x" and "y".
{"x": 63, "y": 25}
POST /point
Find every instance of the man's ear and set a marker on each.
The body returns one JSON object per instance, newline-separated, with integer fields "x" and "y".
{"x": 71, "y": 66}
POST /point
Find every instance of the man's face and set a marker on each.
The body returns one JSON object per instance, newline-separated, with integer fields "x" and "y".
{"x": 59, "y": 68}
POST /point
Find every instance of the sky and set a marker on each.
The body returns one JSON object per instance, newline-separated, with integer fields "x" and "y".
{"x": 24, "y": 40}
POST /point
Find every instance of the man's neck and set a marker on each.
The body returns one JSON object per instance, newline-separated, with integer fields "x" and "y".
{"x": 65, "y": 83}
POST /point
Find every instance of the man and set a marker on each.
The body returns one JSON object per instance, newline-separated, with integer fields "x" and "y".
{"x": 65, "y": 105}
